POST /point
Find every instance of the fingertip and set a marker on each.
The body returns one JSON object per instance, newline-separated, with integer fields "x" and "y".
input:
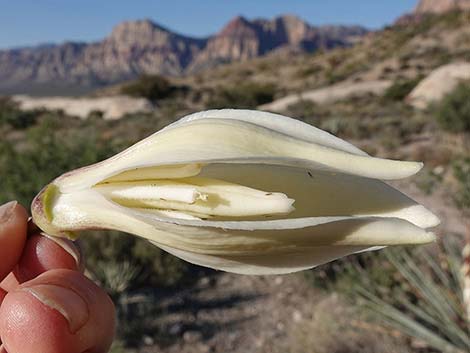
{"x": 13, "y": 226}
{"x": 11, "y": 213}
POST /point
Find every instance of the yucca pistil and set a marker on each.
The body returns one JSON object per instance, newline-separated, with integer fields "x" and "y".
{"x": 205, "y": 197}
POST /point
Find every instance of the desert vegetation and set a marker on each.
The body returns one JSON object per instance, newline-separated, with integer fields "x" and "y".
{"x": 400, "y": 89}
{"x": 152, "y": 87}
{"x": 453, "y": 112}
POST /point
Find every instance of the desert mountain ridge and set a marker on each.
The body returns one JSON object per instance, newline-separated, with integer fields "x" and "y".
{"x": 143, "y": 47}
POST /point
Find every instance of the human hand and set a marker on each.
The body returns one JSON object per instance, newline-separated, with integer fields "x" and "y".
{"x": 46, "y": 304}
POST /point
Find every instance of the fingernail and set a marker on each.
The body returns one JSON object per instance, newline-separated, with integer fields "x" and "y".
{"x": 6, "y": 211}
{"x": 67, "y": 302}
{"x": 69, "y": 246}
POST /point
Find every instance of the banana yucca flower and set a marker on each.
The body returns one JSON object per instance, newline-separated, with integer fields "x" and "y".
{"x": 241, "y": 191}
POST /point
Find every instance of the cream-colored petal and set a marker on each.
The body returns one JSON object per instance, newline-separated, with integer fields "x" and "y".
{"x": 282, "y": 124}
{"x": 267, "y": 264}
{"x": 232, "y": 141}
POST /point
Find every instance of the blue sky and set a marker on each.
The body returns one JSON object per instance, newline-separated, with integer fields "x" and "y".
{"x": 27, "y": 22}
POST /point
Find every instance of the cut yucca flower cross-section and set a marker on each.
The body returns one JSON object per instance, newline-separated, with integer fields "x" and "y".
{"x": 241, "y": 191}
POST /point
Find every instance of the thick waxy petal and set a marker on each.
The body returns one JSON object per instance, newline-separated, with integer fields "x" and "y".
{"x": 236, "y": 142}
{"x": 276, "y": 122}
{"x": 266, "y": 264}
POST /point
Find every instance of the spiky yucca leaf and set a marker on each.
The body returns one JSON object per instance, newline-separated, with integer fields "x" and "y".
{"x": 428, "y": 305}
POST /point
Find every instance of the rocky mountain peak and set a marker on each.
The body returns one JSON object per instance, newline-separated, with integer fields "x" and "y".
{"x": 139, "y": 32}
{"x": 295, "y": 28}
{"x": 441, "y": 6}
{"x": 237, "y": 26}
{"x": 137, "y": 26}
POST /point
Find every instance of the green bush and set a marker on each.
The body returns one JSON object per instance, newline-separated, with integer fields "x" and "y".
{"x": 152, "y": 87}
{"x": 247, "y": 95}
{"x": 44, "y": 155}
{"x": 453, "y": 112}
{"x": 400, "y": 89}
{"x": 11, "y": 115}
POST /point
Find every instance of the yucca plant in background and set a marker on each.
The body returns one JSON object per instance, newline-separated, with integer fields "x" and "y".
{"x": 428, "y": 304}
{"x": 116, "y": 277}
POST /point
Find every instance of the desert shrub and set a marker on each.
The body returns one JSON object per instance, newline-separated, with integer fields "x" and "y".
{"x": 11, "y": 115}
{"x": 453, "y": 112}
{"x": 44, "y": 155}
{"x": 152, "y": 87}
{"x": 462, "y": 174}
{"x": 400, "y": 89}
{"x": 246, "y": 95}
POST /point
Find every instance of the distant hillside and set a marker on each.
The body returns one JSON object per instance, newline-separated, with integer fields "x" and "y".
{"x": 440, "y": 6}
{"x": 435, "y": 7}
{"x": 395, "y": 54}
{"x": 143, "y": 47}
